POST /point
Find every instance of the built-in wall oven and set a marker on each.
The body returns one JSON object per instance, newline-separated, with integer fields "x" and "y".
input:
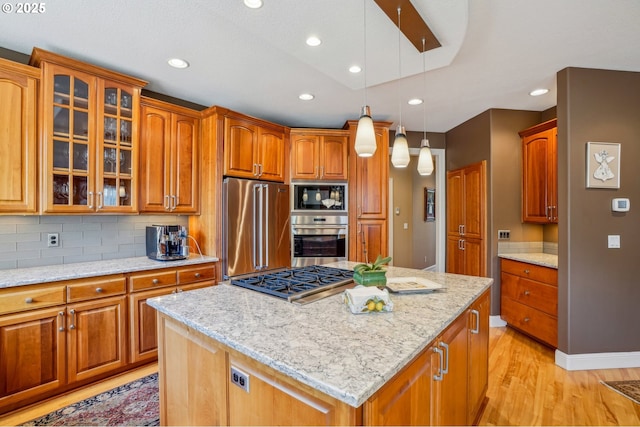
{"x": 319, "y": 223}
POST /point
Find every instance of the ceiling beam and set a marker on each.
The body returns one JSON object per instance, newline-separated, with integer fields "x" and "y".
{"x": 411, "y": 23}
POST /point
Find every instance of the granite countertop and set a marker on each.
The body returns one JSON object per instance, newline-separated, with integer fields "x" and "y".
{"x": 322, "y": 344}
{"x": 54, "y": 273}
{"x": 537, "y": 258}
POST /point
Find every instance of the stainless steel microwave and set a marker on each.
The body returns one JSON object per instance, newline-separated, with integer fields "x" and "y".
{"x": 319, "y": 196}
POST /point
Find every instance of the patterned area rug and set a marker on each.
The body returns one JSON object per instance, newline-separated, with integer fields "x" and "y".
{"x": 629, "y": 389}
{"x": 132, "y": 404}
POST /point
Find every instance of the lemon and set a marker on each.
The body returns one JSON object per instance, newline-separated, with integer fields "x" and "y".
{"x": 379, "y": 306}
{"x": 371, "y": 305}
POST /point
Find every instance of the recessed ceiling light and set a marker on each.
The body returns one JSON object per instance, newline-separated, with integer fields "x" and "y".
{"x": 355, "y": 69}
{"x": 253, "y": 4}
{"x": 538, "y": 92}
{"x": 178, "y": 63}
{"x": 415, "y": 101}
{"x": 306, "y": 96}
{"x": 313, "y": 41}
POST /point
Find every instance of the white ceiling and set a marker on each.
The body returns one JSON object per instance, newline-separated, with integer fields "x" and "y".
{"x": 256, "y": 61}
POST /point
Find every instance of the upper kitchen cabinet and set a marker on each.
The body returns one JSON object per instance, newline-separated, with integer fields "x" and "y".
{"x": 89, "y": 128}
{"x": 540, "y": 173}
{"x": 253, "y": 148}
{"x": 169, "y": 158}
{"x": 319, "y": 154}
{"x": 18, "y": 137}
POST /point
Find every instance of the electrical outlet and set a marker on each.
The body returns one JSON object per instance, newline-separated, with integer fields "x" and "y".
{"x": 504, "y": 234}
{"x": 240, "y": 379}
{"x": 53, "y": 240}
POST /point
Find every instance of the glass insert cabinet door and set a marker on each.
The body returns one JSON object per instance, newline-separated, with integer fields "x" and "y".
{"x": 70, "y": 141}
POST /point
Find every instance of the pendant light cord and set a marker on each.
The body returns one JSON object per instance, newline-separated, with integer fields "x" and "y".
{"x": 399, "y": 70}
{"x": 424, "y": 76}
{"x": 364, "y": 8}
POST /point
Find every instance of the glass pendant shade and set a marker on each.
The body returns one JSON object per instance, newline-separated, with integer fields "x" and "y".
{"x": 425, "y": 161}
{"x": 400, "y": 152}
{"x": 365, "y": 144}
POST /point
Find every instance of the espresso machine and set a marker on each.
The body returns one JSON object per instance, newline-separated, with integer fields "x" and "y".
{"x": 167, "y": 242}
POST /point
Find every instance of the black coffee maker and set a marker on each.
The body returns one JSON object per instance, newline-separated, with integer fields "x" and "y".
{"x": 167, "y": 242}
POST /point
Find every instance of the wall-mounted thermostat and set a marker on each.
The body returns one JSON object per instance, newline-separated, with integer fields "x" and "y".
{"x": 620, "y": 205}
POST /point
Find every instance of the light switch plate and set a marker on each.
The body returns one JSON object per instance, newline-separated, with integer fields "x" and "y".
{"x": 613, "y": 241}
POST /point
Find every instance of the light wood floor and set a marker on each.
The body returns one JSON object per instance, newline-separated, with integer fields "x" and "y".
{"x": 43, "y": 408}
{"x": 527, "y": 388}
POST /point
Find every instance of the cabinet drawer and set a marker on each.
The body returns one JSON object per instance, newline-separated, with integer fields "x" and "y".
{"x": 530, "y": 321}
{"x": 538, "y": 295}
{"x": 93, "y": 289}
{"x": 31, "y": 297}
{"x": 530, "y": 271}
{"x": 196, "y": 274}
{"x": 149, "y": 280}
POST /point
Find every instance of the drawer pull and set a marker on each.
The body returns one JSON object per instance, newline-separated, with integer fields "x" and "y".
{"x": 527, "y": 293}
{"x": 526, "y": 271}
{"x": 99, "y": 290}
{"x": 155, "y": 281}
{"x": 179, "y": 290}
{"x": 197, "y": 275}
{"x": 28, "y": 300}
{"x": 526, "y": 320}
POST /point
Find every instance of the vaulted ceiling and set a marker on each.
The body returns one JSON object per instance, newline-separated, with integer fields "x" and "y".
{"x": 493, "y": 52}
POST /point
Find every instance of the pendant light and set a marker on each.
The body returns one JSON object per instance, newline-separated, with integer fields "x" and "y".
{"x": 400, "y": 152}
{"x": 425, "y": 160}
{"x": 365, "y": 144}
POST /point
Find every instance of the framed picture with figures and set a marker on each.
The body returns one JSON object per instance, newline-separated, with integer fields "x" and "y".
{"x": 603, "y": 165}
{"x": 429, "y": 204}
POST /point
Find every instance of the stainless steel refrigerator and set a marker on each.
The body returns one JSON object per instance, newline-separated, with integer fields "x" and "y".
{"x": 256, "y": 234}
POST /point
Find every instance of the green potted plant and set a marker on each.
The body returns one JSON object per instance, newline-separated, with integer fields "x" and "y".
{"x": 371, "y": 274}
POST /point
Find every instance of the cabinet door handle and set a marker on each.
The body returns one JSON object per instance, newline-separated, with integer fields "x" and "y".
{"x": 73, "y": 319}
{"x": 28, "y": 300}
{"x": 100, "y": 199}
{"x": 321, "y": 172}
{"x": 446, "y": 359}
{"x": 61, "y": 314}
{"x": 179, "y": 290}
{"x": 167, "y": 203}
{"x": 439, "y": 376}
{"x": 173, "y": 202}
{"x": 476, "y": 315}
{"x": 527, "y": 293}
{"x": 554, "y": 211}
{"x": 99, "y": 290}
{"x": 261, "y": 169}
{"x": 91, "y": 200}
{"x": 462, "y": 229}
{"x": 526, "y": 320}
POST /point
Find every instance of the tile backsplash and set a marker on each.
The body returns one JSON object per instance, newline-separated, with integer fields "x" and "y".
{"x": 527, "y": 247}
{"x": 23, "y": 239}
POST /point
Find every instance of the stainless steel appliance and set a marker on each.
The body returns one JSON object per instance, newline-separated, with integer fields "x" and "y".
{"x": 300, "y": 285}
{"x": 256, "y": 234}
{"x": 318, "y": 239}
{"x": 167, "y": 242}
{"x": 319, "y": 196}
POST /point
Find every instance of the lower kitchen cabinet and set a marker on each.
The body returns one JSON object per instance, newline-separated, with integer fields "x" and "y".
{"x": 529, "y": 299}
{"x": 371, "y": 239}
{"x": 478, "y": 368}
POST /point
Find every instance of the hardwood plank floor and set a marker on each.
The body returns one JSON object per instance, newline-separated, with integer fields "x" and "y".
{"x": 35, "y": 411}
{"x": 527, "y": 388}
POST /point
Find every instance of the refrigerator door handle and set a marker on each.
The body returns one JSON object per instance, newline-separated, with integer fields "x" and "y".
{"x": 256, "y": 262}
{"x": 265, "y": 235}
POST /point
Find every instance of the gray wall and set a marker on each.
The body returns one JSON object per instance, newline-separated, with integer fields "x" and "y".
{"x": 23, "y": 239}
{"x": 598, "y": 287}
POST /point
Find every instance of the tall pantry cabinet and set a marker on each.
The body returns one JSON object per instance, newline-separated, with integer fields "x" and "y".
{"x": 466, "y": 220}
{"x": 18, "y": 137}
{"x": 368, "y": 197}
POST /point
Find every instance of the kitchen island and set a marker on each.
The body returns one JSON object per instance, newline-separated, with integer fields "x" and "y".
{"x": 232, "y": 356}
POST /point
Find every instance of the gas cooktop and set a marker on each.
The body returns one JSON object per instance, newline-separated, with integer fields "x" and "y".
{"x": 300, "y": 285}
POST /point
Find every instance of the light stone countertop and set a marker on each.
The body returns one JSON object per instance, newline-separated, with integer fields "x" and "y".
{"x": 54, "y": 273}
{"x": 537, "y": 258}
{"x": 321, "y": 344}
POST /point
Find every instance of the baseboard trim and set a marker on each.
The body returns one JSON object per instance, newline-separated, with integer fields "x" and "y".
{"x": 496, "y": 322}
{"x": 588, "y": 361}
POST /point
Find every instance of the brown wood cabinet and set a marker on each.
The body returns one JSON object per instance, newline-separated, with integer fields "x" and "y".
{"x": 149, "y": 284}
{"x": 18, "y": 137}
{"x": 253, "y": 149}
{"x": 319, "y": 154}
{"x": 540, "y": 173}
{"x": 466, "y": 220}
{"x": 478, "y": 356}
{"x": 529, "y": 299}
{"x": 368, "y": 197}
{"x": 169, "y": 158}
{"x": 89, "y": 121}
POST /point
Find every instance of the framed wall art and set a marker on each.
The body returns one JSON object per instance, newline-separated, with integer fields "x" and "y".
{"x": 603, "y": 165}
{"x": 429, "y": 204}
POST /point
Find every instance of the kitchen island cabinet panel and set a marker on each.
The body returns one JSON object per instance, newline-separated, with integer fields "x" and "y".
{"x": 32, "y": 355}
{"x": 478, "y": 355}
{"x": 18, "y": 137}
